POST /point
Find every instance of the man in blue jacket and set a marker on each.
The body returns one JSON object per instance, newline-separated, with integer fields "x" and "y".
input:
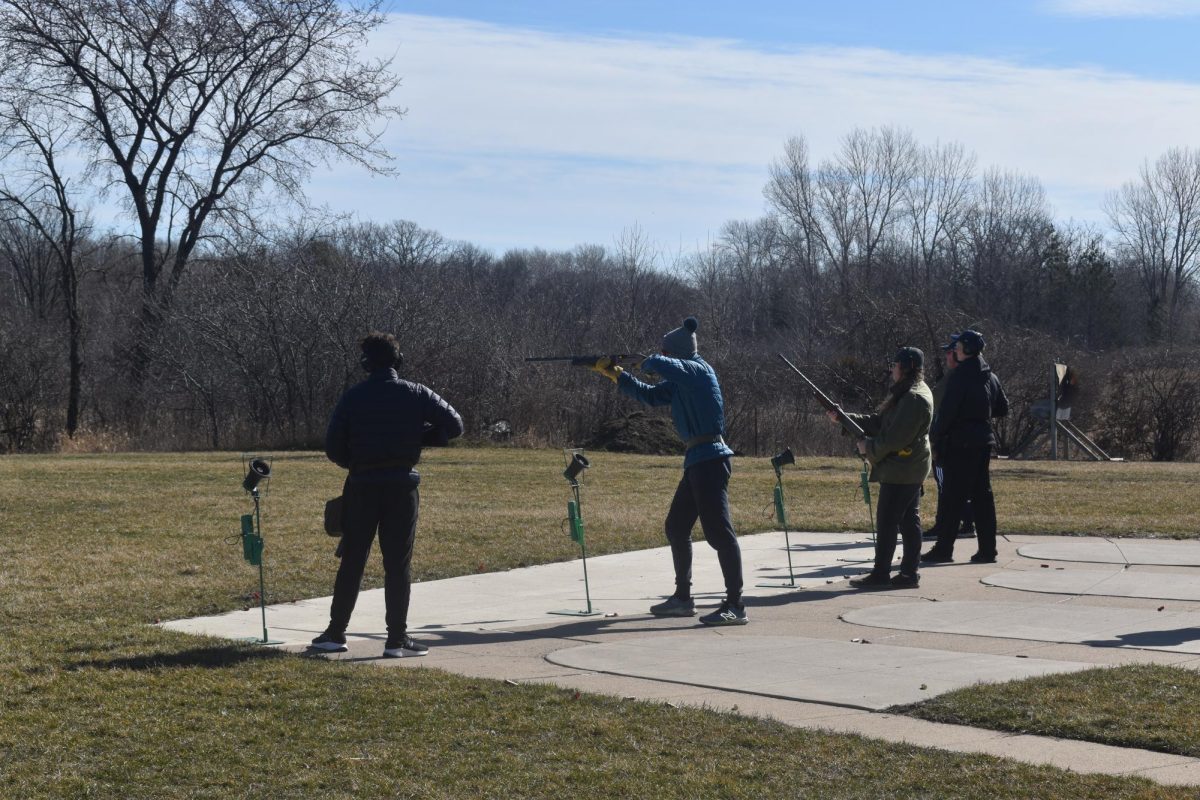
{"x": 376, "y": 432}
{"x": 690, "y": 388}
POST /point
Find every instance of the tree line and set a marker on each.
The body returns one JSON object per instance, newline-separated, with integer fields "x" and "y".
{"x": 216, "y": 324}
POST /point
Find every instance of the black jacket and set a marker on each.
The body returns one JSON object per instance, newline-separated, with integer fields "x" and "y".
{"x": 973, "y": 398}
{"x": 379, "y": 425}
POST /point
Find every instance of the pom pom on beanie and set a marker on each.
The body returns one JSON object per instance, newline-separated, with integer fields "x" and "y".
{"x": 681, "y": 342}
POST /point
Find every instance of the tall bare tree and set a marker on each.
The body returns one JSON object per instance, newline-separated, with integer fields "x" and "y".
{"x": 1156, "y": 220}
{"x": 189, "y": 108}
{"x": 36, "y": 195}
{"x": 937, "y": 199}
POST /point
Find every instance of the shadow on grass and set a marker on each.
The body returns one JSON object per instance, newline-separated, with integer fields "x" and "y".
{"x": 208, "y": 657}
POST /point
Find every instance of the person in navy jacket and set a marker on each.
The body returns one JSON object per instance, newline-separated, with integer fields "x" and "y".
{"x": 376, "y": 432}
{"x": 689, "y": 386}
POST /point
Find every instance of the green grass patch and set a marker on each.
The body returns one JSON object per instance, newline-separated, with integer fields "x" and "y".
{"x": 97, "y": 703}
{"x": 1148, "y": 706}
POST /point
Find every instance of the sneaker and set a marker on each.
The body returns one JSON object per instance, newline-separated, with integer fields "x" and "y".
{"x": 330, "y": 642}
{"x": 904, "y": 581}
{"x": 872, "y": 580}
{"x": 727, "y": 614}
{"x": 966, "y": 532}
{"x": 935, "y": 556}
{"x": 407, "y": 647}
{"x": 983, "y": 558}
{"x": 674, "y": 607}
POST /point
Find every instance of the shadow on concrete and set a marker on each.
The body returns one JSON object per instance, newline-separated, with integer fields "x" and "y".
{"x": 587, "y": 628}
{"x": 1168, "y": 638}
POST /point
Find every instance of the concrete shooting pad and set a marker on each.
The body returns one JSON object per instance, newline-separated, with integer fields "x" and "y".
{"x": 1101, "y": 583}
{"x": 621, "y": 585}
{"x": 1116, "y": 551}
{"x": 1143, "y": 629}
{"x": 855, "y": 675}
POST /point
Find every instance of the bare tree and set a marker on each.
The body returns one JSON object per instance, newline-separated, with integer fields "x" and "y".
{"x": 937, "y": 199}
{"x": 36, "y": 195}
{"x": 1157, "y": 223}
{"x": 879, "y": 164}
{"x": 190, "y": 107}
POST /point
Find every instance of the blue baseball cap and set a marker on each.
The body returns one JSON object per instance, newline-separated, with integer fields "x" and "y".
{"x": 953, "y": 341}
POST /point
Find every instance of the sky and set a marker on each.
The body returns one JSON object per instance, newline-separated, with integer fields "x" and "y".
{"x": 555, "y": 124}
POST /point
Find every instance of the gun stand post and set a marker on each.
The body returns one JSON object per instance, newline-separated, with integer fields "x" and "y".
{"x": 576, "y": 463}
{"x": 781, "y": 517}
{"x": 252, "y": 539}
{"x": 865, "y": 482}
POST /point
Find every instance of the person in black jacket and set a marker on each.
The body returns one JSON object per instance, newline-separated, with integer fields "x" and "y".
{"x": 962, "y": 439}
{"x": 376, "y": 432}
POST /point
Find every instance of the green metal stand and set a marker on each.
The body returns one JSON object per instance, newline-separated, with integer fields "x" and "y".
{"x": 781, "y": 518}
{"x": 252, "y": 551}
{"x": 864, "y": 479}
{"x": 575, "y": 523}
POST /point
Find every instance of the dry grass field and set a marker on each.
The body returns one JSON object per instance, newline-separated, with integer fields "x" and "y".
{"x": 97, "y": 703}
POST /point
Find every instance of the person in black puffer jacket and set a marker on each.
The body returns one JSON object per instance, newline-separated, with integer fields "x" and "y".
{"x": 962, "y": 441}
{"x": 376, "y": 432}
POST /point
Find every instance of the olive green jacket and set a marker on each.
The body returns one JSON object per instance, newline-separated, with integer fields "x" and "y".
{"x": 898, "y": 439}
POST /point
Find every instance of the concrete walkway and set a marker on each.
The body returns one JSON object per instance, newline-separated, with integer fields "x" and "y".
{"x": 818, "y": 654}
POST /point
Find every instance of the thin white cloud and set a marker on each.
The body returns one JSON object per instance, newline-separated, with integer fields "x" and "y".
{"x": 1124, "y": 8}
{"x": 526, "y": 137}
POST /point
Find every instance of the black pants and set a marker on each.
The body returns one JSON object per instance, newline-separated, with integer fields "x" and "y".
{"x": 391, "y": 509}
{"x": 703, "y": 493}
{"x": 898, "y": 511}
{"x": 968, "y": 515}
{"x": 966, "y": 476}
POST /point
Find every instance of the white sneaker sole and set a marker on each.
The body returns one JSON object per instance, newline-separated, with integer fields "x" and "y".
{"x": 400, "y": 652}
{"x": 328, "y": 647}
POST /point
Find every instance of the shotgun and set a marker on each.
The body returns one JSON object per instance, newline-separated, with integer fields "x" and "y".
{"x": 848, "y": 424}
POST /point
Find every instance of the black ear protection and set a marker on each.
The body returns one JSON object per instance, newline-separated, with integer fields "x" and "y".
{"x": 365, "y": 362}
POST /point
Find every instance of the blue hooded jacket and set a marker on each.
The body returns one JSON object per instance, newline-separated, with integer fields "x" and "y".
{"x": 690, "y": 387}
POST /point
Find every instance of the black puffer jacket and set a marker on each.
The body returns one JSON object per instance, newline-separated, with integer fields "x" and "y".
{"x": 973, "y": 398}
{"x": 379, "y": 426}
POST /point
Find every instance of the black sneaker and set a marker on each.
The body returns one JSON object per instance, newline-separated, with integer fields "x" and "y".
{"x": 330, "y": 642}
{"x": 966, "y": 532}
{"x": 674, "y": 607}
{"x": 983, "y": 558}
{"x": 872, "y": 580}
{"x": 407, "y": 647}
{"x": 727, "y": 614}
{"x": 935, "y": 556}
{"x": 903, "y": 581}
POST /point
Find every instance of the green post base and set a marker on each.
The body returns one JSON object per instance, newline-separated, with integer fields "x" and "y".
{"x": 258, "y": 640}
{"x": 790, "y": 585}
{"x": 575, "y": 613}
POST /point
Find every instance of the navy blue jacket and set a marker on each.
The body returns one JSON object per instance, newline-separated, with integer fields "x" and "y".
{"x": 973, "y": 397}
{"x": 690, "y": 387}
{"x": 379, "y": 425}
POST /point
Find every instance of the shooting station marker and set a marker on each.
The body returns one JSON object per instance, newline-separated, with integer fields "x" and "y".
{"x": 577, "y": 464}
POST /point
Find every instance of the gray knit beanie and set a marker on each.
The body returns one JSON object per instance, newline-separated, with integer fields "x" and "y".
{"x": 681, "y": 342}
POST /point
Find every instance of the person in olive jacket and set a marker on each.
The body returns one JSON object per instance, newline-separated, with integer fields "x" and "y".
{"x": 962, "y": 440}
{"x": 897, "y": 448}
